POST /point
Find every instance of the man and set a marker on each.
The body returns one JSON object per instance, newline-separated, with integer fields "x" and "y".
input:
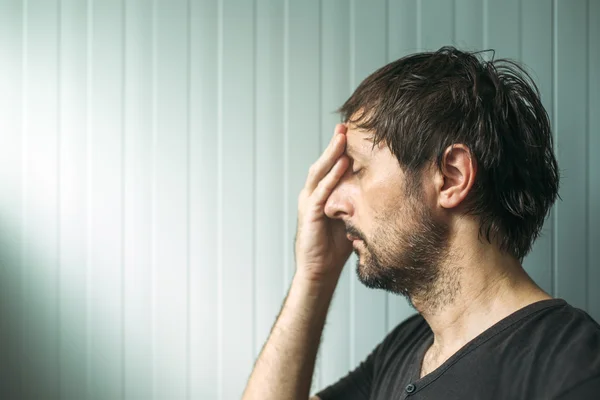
{"x": 440, "y": 180}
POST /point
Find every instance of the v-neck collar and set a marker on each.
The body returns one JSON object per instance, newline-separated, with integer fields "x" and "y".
{"x": 483, "y": 337}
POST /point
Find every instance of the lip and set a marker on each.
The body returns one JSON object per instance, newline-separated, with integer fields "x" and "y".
{"x": 352, "y": 238}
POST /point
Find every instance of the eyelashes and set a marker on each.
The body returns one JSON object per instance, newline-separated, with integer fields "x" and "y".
{"x": 358, "y": 172}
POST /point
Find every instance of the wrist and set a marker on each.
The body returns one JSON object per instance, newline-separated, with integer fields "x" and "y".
{"x": 315, "y": 282}
{"x": 307, "y": 301}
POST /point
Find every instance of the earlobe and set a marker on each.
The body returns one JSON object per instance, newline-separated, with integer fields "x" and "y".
{"x": 458, "y": 172}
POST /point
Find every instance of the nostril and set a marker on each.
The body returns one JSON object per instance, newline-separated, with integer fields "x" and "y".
{"x": 338, "y": 214}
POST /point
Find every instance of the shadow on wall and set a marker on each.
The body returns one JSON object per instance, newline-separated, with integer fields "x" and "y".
{"x": 49, "y": 349}
{"x": 42, "y": 353}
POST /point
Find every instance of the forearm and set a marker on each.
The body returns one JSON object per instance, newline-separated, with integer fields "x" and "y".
{"x": 285, "y": 366}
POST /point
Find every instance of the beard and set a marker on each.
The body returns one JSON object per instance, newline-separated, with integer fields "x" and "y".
{"x": 405, "y": 256}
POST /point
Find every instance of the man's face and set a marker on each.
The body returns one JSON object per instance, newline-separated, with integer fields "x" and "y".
{"x": 400, "y": 244}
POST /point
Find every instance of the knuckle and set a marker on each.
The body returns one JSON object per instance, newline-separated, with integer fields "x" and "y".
{"x": 322, "y": 185}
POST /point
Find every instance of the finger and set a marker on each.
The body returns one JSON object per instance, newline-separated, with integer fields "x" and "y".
{"x": 319, "y": 169}
{"x": 330, "y": 181}
{"x": 340, "y": 128}
{"x": 322, "y": 166}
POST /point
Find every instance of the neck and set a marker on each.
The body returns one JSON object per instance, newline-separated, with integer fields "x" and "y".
{"x": 486, "y": 288}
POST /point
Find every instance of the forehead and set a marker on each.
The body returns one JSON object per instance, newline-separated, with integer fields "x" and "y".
{"x": 359, "y": 143}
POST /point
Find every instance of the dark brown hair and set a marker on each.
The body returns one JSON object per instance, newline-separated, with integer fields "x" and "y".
{"x": 421, "y": 104}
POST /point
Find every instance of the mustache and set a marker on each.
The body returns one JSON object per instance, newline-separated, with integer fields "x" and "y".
{"x": 353, "y": 231}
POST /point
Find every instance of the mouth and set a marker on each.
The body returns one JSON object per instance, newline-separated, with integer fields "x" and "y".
{"x": 352, "y": 238}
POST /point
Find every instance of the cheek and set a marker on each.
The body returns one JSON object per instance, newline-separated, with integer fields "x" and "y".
{"x": 378, "y": 220}
{"x": 383, "y": 201}
{"x": 378, "y": 199}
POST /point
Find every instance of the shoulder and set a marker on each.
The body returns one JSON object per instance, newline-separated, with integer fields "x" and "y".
{"x": 564, "y": 333}
{"x": 563, "y": 344}
{"x": 574, "y": 338}
{"x": 565, "y": 328}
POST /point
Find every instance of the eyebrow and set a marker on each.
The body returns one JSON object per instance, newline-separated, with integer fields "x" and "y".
{"x": 351, "y": 150}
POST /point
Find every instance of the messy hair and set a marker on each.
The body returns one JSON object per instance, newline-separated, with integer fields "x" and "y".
{"x": 423, "y": 103}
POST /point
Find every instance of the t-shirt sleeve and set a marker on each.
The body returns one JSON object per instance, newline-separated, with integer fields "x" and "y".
{"x": 354, "y": 386}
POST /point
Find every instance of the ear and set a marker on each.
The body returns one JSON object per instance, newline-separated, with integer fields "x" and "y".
{"x": 457, "y": 175}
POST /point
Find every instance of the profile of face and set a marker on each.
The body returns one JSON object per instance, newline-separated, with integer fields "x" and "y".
{"x": 399, "y": 239}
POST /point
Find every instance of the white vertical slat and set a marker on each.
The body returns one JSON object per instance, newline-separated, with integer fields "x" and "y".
{"x": 468, "y": 24}
{"x": 89, "y": 102}
{"x": 536, "y": 45}
{"x": 237, "y": 194}
{"x": 288, "y": 246}
{"x": 504, "y": 28}
{"x": 302, "y": 108}
{"x": 204, "y": 351}
{"x": 302, "y": 113}
{"x": 11, "y": 203}
{"x": 105, "y": 148}
{"x": 437, "y": 24}
{"x": 171, "y": 179}
{"x": 269, "y": 174}
{"x": 571, "y": 126}
{"x": 137, "y": 274}
{"x": 593, "y": 167}
{"x": 554, "y": 114}
{"x": 402, "y": 41}
{"x": 334, "y": 356}
{"x": 220, "y": 236}
{"x": 369, "y": 52}
{"x": 73, "y": 227}
{"x": 402, "y": 28}
{"x": 40, "y": 226}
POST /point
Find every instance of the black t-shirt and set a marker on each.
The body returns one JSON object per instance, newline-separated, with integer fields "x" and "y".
{"x": 547, "y": 350}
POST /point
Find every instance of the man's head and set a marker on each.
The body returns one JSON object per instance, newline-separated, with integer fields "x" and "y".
{"x": 438, "y": 141}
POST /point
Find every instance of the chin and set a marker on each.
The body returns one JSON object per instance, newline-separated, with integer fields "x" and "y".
{"x": 369, "y": 276}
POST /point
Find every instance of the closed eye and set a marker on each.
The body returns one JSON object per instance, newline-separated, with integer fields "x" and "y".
{"x": 358, "y": 172}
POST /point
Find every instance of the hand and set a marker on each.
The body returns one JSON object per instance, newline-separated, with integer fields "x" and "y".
{"x": 321, "y": 244}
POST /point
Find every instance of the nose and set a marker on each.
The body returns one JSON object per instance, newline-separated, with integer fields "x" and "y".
{"x": 339, "y": 204}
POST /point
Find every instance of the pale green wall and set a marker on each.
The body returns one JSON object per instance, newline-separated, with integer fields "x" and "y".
{"x": 152, "y": 152}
